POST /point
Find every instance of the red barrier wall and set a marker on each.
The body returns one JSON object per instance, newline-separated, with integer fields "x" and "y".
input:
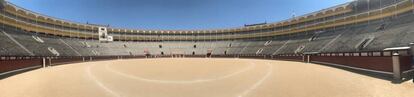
{"x": 290, "y": 58}
{"x": 224, "y": 56}
{"x": 379, "y": 63}
{"x": 65, "y": 60}
{"x": 10, "y": 65}
{"x": 406, "y": 63}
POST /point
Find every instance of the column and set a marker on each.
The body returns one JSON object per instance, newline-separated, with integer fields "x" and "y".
{"x": 396, "y": 68}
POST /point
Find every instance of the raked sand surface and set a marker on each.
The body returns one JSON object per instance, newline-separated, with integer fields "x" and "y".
{"x": 198, "y": 77}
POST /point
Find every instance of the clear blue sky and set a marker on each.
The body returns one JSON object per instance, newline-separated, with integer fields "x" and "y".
{"x": 175, "y": 14}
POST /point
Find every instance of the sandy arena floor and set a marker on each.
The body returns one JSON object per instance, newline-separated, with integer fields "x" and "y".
{"x": 198, "y": 78}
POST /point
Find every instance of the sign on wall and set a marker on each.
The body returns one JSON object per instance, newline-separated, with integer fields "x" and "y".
{"x": 103, "y": 35}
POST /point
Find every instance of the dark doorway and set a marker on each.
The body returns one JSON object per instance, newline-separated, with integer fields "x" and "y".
{"x": 208, "y": 54}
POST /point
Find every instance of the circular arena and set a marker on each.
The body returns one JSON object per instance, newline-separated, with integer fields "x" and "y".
{"x": 361, "y": 48}
{"x": 197, "y": 77}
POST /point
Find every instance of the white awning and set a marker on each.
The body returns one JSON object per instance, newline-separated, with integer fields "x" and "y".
{"x": 397, "y": 48}
{"x": 307, "y": 53}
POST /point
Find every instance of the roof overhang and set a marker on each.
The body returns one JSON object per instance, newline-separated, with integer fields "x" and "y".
{"x": 397, "y": 48}
{"x": 310, "y": 53}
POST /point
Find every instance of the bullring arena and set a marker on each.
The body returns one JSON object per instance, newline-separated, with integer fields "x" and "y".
{"x": 362, "y": 48}
{"x": 198, "y": 77}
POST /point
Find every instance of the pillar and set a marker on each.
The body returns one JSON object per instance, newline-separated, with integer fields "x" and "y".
{"x": 44, "y": 62}
{"x": 50, "y": 61}
{"x": 396, "y": 67}
{"x": 304, "y": 58}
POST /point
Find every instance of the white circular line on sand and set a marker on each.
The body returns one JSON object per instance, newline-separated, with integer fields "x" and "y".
{"x": 179, "y": 82}
{"x": 258, "y": 83}
{"x": 99, "y": 83}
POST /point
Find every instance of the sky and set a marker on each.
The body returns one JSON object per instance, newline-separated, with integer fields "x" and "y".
{"x": 175, "y": 14}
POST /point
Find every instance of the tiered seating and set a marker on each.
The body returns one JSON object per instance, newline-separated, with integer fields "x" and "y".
{"x": 252, "y": 47}
{"x": 79, "y": 46}
{"x": 273, "y": 47}
{"x": 341, "y": 39}
{"x": 60, "y": 45}
{"x": 220, "y": 47}
{"x": 382, "y": 33}
{"x": 347, "y": 42}
{"x": 26, "y": 39}
{"x": 9, "y": 48}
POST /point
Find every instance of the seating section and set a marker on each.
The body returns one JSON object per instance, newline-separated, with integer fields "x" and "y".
{"x": 9, "y": 48}
{"x": 78, "y": 46}
{"x": 383, "y": 33}
{"x": 373, "y": 35}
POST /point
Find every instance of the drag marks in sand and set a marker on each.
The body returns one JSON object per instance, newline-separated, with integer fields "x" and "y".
{"x": 250, "y": 67}
{"x": 99, "y": 83}
{"x": 196, "y": 77}
{"x": 258, "y": 83}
